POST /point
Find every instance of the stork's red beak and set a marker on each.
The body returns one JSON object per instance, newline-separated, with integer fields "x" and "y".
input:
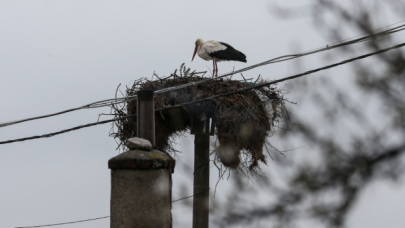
{"x": 195, "y": 51}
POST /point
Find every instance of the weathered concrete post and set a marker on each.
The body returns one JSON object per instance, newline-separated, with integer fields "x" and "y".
{"x": 141, "y": 181}
{"x": 141, "y": 187}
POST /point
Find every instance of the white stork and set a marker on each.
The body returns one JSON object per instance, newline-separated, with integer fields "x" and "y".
{"x": 217, "y": 51}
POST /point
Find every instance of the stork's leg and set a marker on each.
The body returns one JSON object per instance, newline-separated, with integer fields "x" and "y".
{"x": 216, "y": 68}
{"x": 213, "y": 68}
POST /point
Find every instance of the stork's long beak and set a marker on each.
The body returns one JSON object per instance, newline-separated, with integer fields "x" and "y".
{"x": 195, "y": 51}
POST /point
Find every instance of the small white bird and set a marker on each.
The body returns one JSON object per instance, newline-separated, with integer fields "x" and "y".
{"x": 217, "y": 51}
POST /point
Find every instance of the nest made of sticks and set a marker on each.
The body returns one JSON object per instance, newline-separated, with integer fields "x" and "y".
{"x": 243, "y": 121}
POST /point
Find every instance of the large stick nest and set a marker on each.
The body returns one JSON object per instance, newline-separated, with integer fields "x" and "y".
{"x": 243, "y": 122}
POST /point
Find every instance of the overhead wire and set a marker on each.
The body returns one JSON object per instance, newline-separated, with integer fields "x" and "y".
{"x": 63, "y": 223}
{"x": 215, "y": 96}
{"x": 107, "y": 102}
{"x": 341, "y": 41}
{"x": 112, "y": 101}
{"x": 87, "y": 220}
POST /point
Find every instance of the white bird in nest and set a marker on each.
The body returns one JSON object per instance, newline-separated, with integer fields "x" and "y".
{"x": 217, "y": 51}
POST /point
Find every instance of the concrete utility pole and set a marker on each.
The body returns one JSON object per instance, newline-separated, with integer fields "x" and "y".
{"x": 201, "y": 172}
{"x": 141, "y": 183}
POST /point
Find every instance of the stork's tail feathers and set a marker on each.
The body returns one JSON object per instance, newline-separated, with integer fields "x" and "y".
{"x": 236, "y": 55}
{"x": 242, "y": 57}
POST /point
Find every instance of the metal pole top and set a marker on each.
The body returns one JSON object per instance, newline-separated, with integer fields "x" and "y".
{"x": 145, "y": 95}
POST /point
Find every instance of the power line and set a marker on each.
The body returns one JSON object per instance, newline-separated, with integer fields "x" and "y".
{"x": 87, "y": 220}
{"x": 294, "y": 56}
{"x": 64, "y": 223}
{"x": 112, "y": 101}
{"x": 97, "y": 104}
{"x": 66, "y": 130}
{"x": 190, "y": 196}
{"x": 291, "y": 77}
{"x": 213, "y": 97}
{"x": 372, "y": 31}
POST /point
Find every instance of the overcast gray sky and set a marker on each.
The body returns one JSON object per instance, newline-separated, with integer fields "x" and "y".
{"x": 56, "y": 55}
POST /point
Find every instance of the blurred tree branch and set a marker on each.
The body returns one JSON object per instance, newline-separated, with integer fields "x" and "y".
{"x": 359, "y": 136}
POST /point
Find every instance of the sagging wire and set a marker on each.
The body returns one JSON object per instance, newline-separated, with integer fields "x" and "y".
{"x": 212, "y": 97}
{"x": 113, "y": 101}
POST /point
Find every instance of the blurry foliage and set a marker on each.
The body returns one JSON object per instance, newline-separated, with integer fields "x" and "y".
{"x": 358, "y": 133}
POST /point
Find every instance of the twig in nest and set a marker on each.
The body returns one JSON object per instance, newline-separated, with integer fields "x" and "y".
{"x": 243, "y": 77}
{"x": 257, "y": 79}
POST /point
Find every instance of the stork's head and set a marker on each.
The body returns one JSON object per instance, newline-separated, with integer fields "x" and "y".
{"x": 198, "y": 44}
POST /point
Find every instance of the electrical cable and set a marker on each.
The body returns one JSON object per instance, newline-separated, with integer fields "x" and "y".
{"x": 213, "y": 97}
{"x": 113, "y": 101}
{"x": 87, "y": 220}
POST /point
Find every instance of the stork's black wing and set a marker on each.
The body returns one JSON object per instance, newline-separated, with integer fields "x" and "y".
{"x": 229, "y": 53}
